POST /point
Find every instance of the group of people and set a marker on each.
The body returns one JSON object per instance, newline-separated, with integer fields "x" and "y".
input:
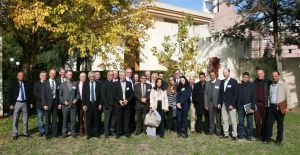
{"x": 125, "y": 98}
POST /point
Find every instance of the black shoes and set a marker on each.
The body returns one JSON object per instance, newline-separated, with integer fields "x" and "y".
{"x": 278, "y": 143}
{"x": 138, "y": 133}
{"x": 15, "y": 137}
{"x": 184, "y": 135}
{"x": 118, "y": 136}
{"x": 27, "y": 136}
{"x": 127, "y": 135}
{"x": 234, "y": 138}
{"x": 48, "y": 137}
{"x": 224, "y": 137}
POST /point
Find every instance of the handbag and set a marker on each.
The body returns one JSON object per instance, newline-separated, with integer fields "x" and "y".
{"x": 150, "y": 119}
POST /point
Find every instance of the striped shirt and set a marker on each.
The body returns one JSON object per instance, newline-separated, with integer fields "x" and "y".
{"x": 172, "y": 99}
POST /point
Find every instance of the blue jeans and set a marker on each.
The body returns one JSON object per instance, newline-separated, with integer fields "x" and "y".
{"x": 181, "y": 115}
{"x": 241, "y": 127}
{"x": 41, "y": 113}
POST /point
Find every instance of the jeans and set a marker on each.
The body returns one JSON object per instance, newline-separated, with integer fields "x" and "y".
{"x": 182, "y": 115}
{"x": 249, "y": 117}
{"x": 41, "y": 113}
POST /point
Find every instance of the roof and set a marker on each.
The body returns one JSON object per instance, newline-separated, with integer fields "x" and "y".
{"x": 178, "y": 13}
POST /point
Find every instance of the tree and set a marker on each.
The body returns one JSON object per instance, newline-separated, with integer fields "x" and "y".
{"x": 89, "y": 27}
{"x": 185, "y": 47}
{"x": 277, "y": 18}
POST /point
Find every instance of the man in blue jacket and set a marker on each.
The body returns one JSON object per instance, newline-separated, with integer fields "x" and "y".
{"x": 227, "y": 103}
{"x": 246, "y": 106}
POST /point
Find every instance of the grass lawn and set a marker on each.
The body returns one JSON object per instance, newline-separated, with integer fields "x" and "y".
{"x": 195, "y": 144}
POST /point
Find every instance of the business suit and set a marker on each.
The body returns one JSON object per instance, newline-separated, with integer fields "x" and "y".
{"x": 211, "y": 96}
{"x": 228, "y": 97}
{"x": 14, "y": 96}
{"x": 82, "y": 115}
{"x": 183, "y": 97}
{"x": 123, "y": 112}
{"x": 37, "y": 93}
{"x": 50, "y": 99}
{"x": 107, "y": 100}
{"x": 92, "y": 113}
{"x": 132, "y": 123}
{"x": 59, "y": 81}
{"x": 70, "y": 110}
{"x": 198, "y": 100}
{"x": 100, "y": 81}
{"x": 141, "y": 91}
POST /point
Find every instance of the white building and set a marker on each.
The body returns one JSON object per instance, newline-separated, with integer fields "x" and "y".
{"x": 166, "y": 19}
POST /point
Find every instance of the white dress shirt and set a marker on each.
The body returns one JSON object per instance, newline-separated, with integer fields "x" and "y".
{"x": 225, "y": 83}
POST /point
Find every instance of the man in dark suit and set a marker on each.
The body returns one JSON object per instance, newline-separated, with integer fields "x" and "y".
{"x": 92, "y": 105}
{"x": 97, "y": 75}
{"x": 19, "y": 96}
{"x": 81, "y": 116}
{"x": 227, "y": 103}
{"x": 107, "y": 100}
{"x": 212, "y": 89}
{"x": 246, "y": 95}
{"x": 116, "y": 76}
{"x": 142, "y": 95}
{"x": 164, "y": 83}
{"x": 50, "y": 104}
{"x": 61, "y": 79}
{"x": 68, "y": 96}
{"x": 148, "y": 76}
{"x": 123, "y": 98}
{"x": 198, "y": 100}
{"x": 129, "y": 78}
{"x": 37, "y": 93}
{"x": 177, "y": 76}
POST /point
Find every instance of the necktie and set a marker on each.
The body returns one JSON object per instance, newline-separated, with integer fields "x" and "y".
{"x": 22, "y": 92}
{"x": 93, "y": 92}
{"x": 143, "y": 90}
{"x": 53, "y": 89}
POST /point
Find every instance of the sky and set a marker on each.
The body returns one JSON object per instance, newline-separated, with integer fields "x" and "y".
{"x": 189, "y": 4}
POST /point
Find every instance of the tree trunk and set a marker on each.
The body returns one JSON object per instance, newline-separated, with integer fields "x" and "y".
{"x": 1, "y": 79}
{"x": 30, "y": 51}
{"x": 277, "y": 46}
{"x": 29, "y": 60}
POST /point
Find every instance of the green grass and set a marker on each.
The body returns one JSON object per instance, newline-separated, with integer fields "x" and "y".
{"x": 195, "y": 144}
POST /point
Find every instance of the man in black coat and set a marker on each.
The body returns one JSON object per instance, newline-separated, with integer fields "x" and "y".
{"x": 107, "y": 100}
{"x": 37, "y": 93}
{"x": 246, "y": 96}
{"x": 50, "y": 104}
{"x": 142, "y": 95}
{"x": 123, "y": 98}
{"x": 91, "y": 98}
{"x": 165, "y": 83}
{"x": 19, "y": 97}
{"x": 61, "y": 79}
{"x": 129, "y": 73}
{"x": 227, "y": 103}
{"x": 198, "y": 100}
